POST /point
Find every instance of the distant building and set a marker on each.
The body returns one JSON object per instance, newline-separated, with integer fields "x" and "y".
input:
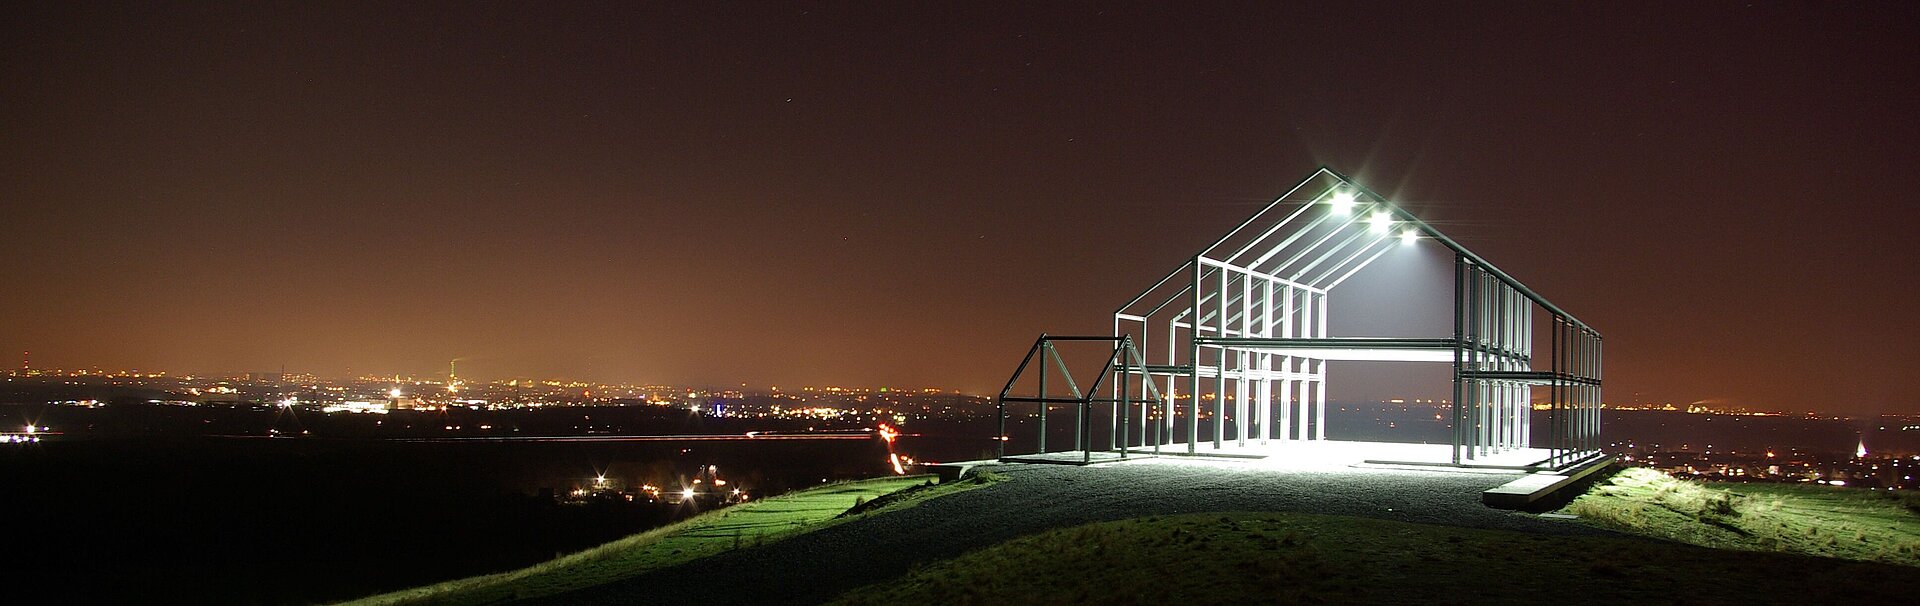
{"x": 361, "y": 406}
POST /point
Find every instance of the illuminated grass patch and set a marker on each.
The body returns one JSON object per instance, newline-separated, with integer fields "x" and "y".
{"x": 741, "y": 526}
{"x": 1265, "y": 558}
{"x": 1823, "y": 521}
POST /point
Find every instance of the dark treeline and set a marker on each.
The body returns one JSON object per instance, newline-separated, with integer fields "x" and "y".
{"x": 280, "y": 521}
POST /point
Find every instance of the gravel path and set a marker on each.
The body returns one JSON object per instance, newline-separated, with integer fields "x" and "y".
{"x": 816, "y": 567}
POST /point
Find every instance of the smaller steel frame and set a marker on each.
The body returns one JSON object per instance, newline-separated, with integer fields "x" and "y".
{"x": 1245, "y": 321}
{"x": 1123, "y": 361}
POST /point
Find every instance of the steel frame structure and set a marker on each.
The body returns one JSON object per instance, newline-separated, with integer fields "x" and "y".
{"x": 1123, "y": 362}
{"x": 1245, "y": 320}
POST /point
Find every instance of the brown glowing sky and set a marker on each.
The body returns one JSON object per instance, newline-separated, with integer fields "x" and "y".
{"x": 907, "y": 195}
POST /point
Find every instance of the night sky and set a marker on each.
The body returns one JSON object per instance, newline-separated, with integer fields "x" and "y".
{"x": 907, "y": 194}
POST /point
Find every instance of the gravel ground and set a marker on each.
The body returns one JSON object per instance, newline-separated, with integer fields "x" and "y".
{"x": 816, "y": 567}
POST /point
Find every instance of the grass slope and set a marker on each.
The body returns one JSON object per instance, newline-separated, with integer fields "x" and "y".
{"x": 1285, "y": 558}
{"x": 744, "y": 525}
{"x": 1823, "y": 521}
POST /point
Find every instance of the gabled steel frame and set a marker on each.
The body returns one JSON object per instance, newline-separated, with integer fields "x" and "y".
{"x": 1124, "y": 362}
{"x": 1245, "y": 320}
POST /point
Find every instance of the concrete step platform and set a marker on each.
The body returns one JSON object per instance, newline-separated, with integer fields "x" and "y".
{"x": 1543, "y": 488}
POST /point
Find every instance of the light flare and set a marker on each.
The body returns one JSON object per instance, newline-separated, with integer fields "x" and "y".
{"x": 1381, "y": 221}
{"x": 899, "y": 462}
{"x": 1342, "y": 203}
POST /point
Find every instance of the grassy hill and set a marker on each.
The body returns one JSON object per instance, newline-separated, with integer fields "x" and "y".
{"x": 740, "y": 526}
{"x": 1825, "y": 521}
{"x": 1749, "y": 543}
{"x": 1304, "y": 558}
{"x": 1755, "y": 544}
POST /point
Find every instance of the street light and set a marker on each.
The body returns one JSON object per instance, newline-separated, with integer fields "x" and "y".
{"x": 1381, "y": 221}
{"x": 1342, "y": 203}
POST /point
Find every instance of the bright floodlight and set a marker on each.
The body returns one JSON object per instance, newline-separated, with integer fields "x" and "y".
{"x": 686, "y": 494}
{"x": 1408, "y": 236}
{"x": 1342, "y": 203}
{"x": 1380, "y": 221}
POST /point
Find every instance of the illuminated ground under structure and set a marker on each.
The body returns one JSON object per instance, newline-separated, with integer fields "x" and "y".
{"x": 1244, "y": 322}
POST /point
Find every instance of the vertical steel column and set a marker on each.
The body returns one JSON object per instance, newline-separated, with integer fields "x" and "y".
{"x": 1240, "y": 409}
{"x": 1220, "y": 381}
{"x": 1139, "y": 352}
{"x": 1592, "y": 403}
{"x": 1163, "y": 427}
{"x": 1514, "y": 403}
{"x": 1586, "y": 398}
{"x": 1080, "y": 425}
{"x": 1558, "y": 422}
{"x": 1495, "y": 292}
{"x": 1124, "y": 405}
{"x": 1266, "y": 363}
{"x": 1579, "y": 365}
{"x": 1320, "y": 388}
{"x": 1121, "y": 433}
{"x": 1526, "y": 341}
{"x": 1046, "y": 349}
{"x": 1114, "y": 435}
{"x": 1287, "y": 374}
{"x": 1523, "y": 311}
{"x": 1488, "y": 357}
{"x": 1503, "y": 391}
{"x": 1473, "y": 361}
{"x": 1496, "y": 316}
{"x": 1562, "y": 421}
{"x": 1516, "y": 409}
{"x": 1552, "y": 438}
{"x": 1503, "y": 407}
{"x": 1553, "y": 388}
{"x": 1309, "y": 394}
{"x": 1475, "y": 284}
{"x": 1593, "y": 391}
{"x": 1306, "y": 366}
{"x": 1193, "y": 344}
{"x": 1526, "y": 363}
{"x": 1570, "y": 389}
{"x": 1568, "y": 412}
{"x": 1082, "y": 433}
{"x": 1245, "y": 359}
{"x": 1576, "y": 339}
{"x": 1459, "y": 351}
{"x": 1579, "y": 390}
